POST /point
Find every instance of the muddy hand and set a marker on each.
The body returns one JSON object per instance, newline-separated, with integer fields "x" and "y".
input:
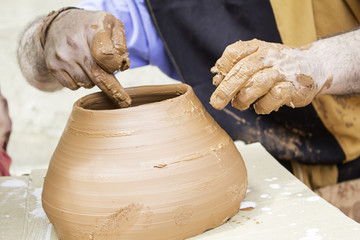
{"x": 267, "y": 74}
{"x": 84, "y": 48}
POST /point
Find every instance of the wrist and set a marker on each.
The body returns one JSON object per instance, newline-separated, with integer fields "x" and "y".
{"x": 311, "y": 64}
{"x": 47, "y": 21}
{"x": 31, "y": 59}
{"x": 334, "y": 62}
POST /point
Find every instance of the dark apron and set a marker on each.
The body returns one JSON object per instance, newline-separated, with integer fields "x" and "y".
{"x": 196, "y": 32}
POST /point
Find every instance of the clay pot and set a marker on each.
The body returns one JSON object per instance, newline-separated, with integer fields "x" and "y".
{"x": 161, "y": 169}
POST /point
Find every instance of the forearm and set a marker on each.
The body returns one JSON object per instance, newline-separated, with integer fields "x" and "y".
{"x": 336, "y": 63}
{"x": 31, "y": 59}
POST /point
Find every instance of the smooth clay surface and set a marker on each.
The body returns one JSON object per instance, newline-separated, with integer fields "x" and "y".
{"x": 160, "y": 169}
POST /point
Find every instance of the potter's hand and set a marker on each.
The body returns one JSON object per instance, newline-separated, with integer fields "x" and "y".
{"x": 269, "y": 74}
{"x": 75, "y": 48}
{"x": 83, "y": 48}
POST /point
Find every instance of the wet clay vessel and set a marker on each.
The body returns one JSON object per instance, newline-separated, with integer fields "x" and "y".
{"x": 160, "y": 169}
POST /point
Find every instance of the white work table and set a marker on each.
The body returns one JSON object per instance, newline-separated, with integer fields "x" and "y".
{"x": 277, "y": 206}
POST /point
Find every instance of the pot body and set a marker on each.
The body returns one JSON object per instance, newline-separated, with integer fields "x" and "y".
{"x": 161, "y": 169}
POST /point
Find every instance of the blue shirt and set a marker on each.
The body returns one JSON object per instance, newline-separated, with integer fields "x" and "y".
{"x": 144, "y": 44}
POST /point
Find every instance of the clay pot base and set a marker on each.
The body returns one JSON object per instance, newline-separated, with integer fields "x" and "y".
{"x": 160, "y": 169}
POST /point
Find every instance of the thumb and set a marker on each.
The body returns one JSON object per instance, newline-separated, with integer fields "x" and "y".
{"x": 106, "y": 54}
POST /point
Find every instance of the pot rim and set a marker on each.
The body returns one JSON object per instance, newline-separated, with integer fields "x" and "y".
{"x": 166, "y": 93}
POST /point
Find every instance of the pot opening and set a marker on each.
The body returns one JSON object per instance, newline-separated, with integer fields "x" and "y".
{"x": 139, "y": 96}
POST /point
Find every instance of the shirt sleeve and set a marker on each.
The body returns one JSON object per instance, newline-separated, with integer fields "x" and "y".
{"x": 144, "y": 44}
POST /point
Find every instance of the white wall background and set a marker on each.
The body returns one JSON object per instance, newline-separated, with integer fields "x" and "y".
{"x": 39, "y": 117}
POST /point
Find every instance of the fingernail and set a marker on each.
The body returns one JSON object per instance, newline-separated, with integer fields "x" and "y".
{"x": 214, "y": 69}
{"x": 217, "y": 79}
{"x": 216, "y": 102}
{"x": 125, "y": 64}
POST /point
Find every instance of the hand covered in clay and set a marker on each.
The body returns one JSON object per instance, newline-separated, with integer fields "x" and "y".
{"x": 269, "y": 75}
{"x": 84, "y": 48}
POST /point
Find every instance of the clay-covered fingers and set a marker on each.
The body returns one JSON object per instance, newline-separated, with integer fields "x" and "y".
{"x": 72, "y": 76}
{"x": 108, "y": 83}
{"x": 270, "y": 90}
{"x": 293, "y": 94}
{"x": 89, "y": 74}
{"x": 232, "y": 55}
{"x": 64, "y": 78}
{"x": 279, "y": 95}
{"x": 256, "y": 87}
{"x": 236, "y": 79}
{"x": 108, "y": 46}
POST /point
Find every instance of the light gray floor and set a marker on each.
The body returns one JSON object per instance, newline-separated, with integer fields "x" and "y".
{"x": 38, "y": 117}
